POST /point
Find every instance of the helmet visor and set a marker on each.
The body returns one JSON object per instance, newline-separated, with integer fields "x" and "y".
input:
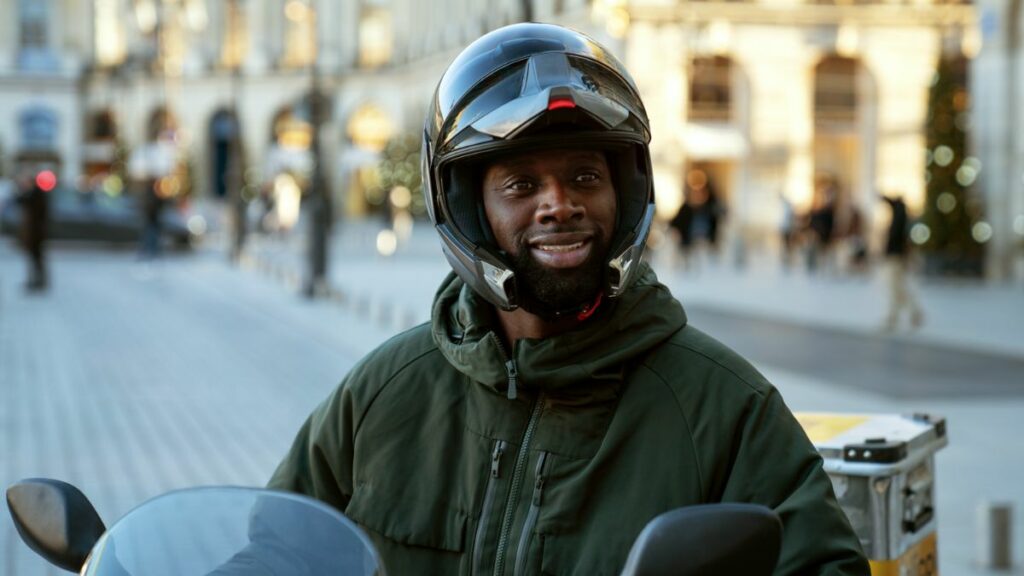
{"x": 548, "y": 88}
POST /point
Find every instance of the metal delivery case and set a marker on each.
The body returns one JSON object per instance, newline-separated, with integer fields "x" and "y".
{"x": 883, "y": 470}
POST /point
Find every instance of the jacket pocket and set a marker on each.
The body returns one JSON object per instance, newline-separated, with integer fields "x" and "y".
{"x": 419, "y": 537}
{"x": 432, "y": 525}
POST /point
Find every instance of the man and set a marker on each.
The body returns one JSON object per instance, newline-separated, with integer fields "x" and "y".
{"x": 897, "y": 254}
{"x": 35, "y": 210}
{"x": 558, "y": 400}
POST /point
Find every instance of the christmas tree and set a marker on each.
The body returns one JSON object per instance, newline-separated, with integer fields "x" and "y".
{"x": 950, "y": 234}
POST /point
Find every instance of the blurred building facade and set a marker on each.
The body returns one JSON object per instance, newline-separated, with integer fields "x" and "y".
{"x": 767, "y": 98}
{"x": 997, "y": 91}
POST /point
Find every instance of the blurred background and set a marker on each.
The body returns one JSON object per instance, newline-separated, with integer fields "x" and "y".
{"x": 213, "y": 208}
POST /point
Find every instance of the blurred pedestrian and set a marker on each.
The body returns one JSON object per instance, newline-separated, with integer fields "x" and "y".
{"x": 787, "y": 230}
{"x": 35, "y": 210}
{"x": 901, "y": 297}
{"x": 821, "y": 223}
{"x": 714, "y": 213}
{"x": 856, "y": 242}
{"x": 152, "y": 213}
{"x": 682, "y": 223}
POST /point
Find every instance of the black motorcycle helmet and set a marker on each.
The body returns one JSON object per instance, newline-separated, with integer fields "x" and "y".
{"x": 530, "y": 87}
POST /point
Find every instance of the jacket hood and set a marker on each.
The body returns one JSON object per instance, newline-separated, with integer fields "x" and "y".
{"x": 465, "y": 328}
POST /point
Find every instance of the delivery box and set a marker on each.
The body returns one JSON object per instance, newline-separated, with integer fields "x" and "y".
{"x": 882, "y": 467}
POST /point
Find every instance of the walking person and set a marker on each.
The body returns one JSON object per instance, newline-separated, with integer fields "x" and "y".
{"x": 152, "y": 214}
{"x": 897, "y": 248}
{"x": 33, "y": 198}
{"x": 821, "y": 224}
{"x": 682, "y": 223}
{"x": 787, "y": 231}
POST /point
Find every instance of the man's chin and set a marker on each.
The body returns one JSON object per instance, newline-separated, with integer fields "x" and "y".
{"x": 550, "y": 290}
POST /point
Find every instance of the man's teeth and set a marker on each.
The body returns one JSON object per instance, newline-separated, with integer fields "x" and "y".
{"x": 560, "y": 247}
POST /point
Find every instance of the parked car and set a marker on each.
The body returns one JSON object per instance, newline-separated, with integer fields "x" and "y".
{"x": 95, "y": 216}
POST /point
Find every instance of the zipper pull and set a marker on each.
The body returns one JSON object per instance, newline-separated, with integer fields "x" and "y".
{"x": 538, "y": 484}
{"x": 513, "y": 379}
{"x": 499, "y": 449}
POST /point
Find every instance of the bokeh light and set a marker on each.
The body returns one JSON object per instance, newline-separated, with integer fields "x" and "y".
{"x": 966, "y": 175}
{"x": 943, "y": 155}
{"x": 981, "y": 232}
{"x": 946, "y": 202}
{"x": 46, "y": 180}
{"x": 920, "y": 233}
{"x": 196, "y": 225}
{"x": 401, "y": 197}
{"x": 387, "y": 242}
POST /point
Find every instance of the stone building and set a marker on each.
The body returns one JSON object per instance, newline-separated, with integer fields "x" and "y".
{"x": 764, "y": 97}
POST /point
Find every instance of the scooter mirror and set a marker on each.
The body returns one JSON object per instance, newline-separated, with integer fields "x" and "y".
{"x": 708, "y": 540}
{"x": 56, "y": 520}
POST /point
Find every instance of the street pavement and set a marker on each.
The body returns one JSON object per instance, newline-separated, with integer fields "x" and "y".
{"x": 130, "y": 379}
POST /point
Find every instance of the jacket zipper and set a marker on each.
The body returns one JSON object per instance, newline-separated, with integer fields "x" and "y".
{"x": 481, "y": 529}
{"x": 517, "y": 479}
{"x": 510, "y": 368}
{"x": 531, "y": 518}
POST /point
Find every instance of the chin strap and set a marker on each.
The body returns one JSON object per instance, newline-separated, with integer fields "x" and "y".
{"x": 589, "y": 309}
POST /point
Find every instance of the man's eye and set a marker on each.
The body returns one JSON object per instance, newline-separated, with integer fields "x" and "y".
{"x": 588, "y": 177}
{"x": 520, "y": 185}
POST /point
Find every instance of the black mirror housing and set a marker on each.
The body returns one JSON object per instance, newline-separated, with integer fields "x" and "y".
{"x": 56, "y": 520}
{"x": 708, "y": 540}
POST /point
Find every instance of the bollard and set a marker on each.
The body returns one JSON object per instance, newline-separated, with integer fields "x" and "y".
{"x": 995, "y": 535}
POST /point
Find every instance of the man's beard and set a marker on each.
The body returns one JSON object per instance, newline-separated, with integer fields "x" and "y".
{"x": 545, "y": 291}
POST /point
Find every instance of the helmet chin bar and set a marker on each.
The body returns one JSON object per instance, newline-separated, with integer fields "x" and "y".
{"x": 624, "y": 266}
{"x": 499, "y": 282}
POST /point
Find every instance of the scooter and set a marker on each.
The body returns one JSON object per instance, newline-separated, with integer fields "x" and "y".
{"x": 234, "y": 531}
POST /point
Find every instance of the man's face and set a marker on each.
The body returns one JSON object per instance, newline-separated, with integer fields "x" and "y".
{"x": 553, "y": 212}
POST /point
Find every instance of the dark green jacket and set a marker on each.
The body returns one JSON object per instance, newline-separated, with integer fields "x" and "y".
{"x": 632, "y": 415}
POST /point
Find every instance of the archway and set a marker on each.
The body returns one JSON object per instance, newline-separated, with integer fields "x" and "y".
{"x": 714, "y": 137}
{"x": 843, "y": 161}
{"x": 368, "y": 130}
{"x": 287, "y": 169}
{"x": 102, "y": 155}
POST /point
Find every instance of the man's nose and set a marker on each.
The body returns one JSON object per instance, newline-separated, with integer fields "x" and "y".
{"x": 557, "y": 204}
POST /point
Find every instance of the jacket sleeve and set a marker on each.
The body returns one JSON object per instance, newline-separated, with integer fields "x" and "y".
{"x": 319, "y": 463}
{"x": 776, "y": 465}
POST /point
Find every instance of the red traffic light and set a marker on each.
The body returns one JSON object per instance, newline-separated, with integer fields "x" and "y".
{"x": 46, "y": 180}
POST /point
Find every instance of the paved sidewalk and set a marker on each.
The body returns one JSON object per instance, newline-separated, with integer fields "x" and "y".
{"x": 130, "y": 380}
{"x": 963, "y": 314}
{"x": 977, "y": 466}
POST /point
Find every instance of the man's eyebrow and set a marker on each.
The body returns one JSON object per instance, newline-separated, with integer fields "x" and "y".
{"x": 592, "y": 155}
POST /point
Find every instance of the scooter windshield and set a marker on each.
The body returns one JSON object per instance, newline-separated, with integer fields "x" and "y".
{"x": 233, "y": 532}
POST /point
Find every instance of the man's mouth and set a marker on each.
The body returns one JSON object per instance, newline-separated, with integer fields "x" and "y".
{"x": 561, "y": 250}
{"x": 559, "y": 247}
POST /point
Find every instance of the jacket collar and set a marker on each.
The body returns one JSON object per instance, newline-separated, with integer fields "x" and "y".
{"x": 464, "y": 328}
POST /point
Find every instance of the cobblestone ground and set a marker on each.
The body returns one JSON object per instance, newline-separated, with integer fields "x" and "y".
{"x": 129, "y": 379}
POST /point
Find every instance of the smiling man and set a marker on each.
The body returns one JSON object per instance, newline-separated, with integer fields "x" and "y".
{"x": 558, "y": 400}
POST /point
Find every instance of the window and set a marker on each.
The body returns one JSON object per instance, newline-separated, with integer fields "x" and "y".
{"x": 835, "y": 91}
{"x": 300, "y": 40}
{"x": 375, "y": 37}
{"x": 34, "y": 53}
{"x": 109, "y": 33}
{"x": 33, "y": 23}
{"x": 38, "y": 128}
{"x": 711, "y": 89}
{"x": 236, "y": 36}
